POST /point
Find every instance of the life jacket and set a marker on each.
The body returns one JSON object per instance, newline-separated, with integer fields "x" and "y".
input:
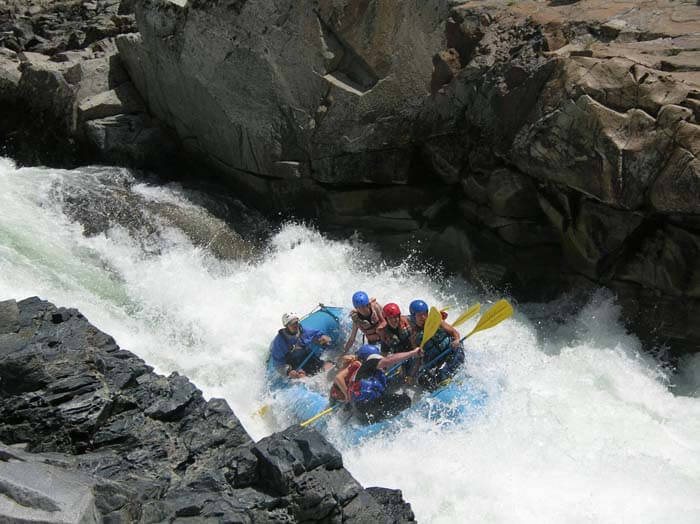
{"x": 297, "y": 350}
{"x": 416, "y": 332}
{"x": 368, "y": 388}
{"x": 438, "y": 343}
{"x": 396, "y": 340}
{"x": 368, "y": 326}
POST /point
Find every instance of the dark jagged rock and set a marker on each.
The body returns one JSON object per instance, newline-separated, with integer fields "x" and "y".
{"x": 127, "y": 445}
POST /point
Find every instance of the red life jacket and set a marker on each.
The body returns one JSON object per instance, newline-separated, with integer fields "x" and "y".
{"x": 352, "y": 371}
{"x": 396, "y": 340}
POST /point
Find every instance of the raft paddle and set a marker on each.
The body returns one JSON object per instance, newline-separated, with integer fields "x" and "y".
{"x": 432, "y": 323}
{"x": 311, "y": 354}
{"x": 318, "y": 416}
{"x": 469, "y": 313}
{"x": 497, "y": 313}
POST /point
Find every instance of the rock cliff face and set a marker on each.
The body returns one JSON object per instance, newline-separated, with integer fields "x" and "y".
{"x": 66, "y": 98}
{"x": 527, "y": 144}
{"x": 90, "y": 434}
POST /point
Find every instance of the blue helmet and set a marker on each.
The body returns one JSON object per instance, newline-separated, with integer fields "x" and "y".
{"x": 360, "y": 299}
{"x": 365, "y": 351}
{"x": 418, "y": 306}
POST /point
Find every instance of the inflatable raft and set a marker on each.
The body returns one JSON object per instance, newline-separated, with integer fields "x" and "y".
{"x": 303, "y": 399}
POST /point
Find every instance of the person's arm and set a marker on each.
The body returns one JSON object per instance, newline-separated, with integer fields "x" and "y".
{"x": 320, "y": 337}
{"x": 278, "y": 354}
{"x": 308, "y": 336}
{"x": 380, "y": 315}
{"x": 339, "y": 381}
{"x": 452, "y": 332}
{"x": 391, "y": 360}
{"x": 351, "y": 338}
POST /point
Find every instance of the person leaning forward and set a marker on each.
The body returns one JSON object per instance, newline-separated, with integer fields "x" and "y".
{"x": 363, "y": 383}
{"x": 291, "y": 348}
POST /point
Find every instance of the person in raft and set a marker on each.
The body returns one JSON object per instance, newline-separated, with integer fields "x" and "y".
{"x": 443, "y": 363}
{"x": 396, "y": 335}
{"x": 367, "y": 317}
{"x": 363, "y": 383}
{"x": 291, "y": 349}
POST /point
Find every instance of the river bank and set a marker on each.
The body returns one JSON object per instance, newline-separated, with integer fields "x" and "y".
{"x": 90, "y": 434}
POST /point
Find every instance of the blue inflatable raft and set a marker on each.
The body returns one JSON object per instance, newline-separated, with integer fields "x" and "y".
{"x": 303, "y": 399}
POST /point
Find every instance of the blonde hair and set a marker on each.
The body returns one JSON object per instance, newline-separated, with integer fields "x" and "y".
{"x": 345, "y": 361}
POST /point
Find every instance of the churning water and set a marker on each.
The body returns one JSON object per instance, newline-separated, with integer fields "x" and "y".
{"x": 579, "y": 426}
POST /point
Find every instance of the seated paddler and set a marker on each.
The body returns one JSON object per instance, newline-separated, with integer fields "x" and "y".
{"x": 292, "y": 352}
{"x": 395, "y": 336}
{"x": 363, "y": 383}
{"x": 443, "y": 352}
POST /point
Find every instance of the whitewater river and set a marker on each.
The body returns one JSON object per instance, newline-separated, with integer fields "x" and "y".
{"x": 578, "y": 427}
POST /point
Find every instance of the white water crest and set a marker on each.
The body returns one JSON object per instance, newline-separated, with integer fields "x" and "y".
{"x": 579, "y": 426}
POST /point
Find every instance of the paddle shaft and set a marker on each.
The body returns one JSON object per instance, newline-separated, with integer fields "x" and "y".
{"x": 451, "y": 348}
{"x": 318, "y": 416}
{"x": 308, "y": 357}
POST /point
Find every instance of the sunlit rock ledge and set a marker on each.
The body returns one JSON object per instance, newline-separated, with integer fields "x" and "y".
{"x": 88, "y": 433}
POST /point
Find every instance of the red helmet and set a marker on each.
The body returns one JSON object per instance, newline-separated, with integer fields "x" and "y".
{"x": 391, "y": 310}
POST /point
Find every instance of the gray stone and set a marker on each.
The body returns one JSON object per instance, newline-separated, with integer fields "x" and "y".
{"x": 677, "y": 189}
{"x": 310, "y": 89}
{"x": 122, "y": 99}
{"x": 624, "y": 151}
{"x": 284, "y": 457}
{"x": 34, "y": 492}
{"x": 528, "y": 233}
{"x": 42, "y": 82}
{"x": 512, "y": 194}
{"x": 130, "y": 139}
{"x": 667, "y": 261}
{"x": 9, "y": 317}
{"x": 9, "y": 78}
{"x": 95, "y": 76}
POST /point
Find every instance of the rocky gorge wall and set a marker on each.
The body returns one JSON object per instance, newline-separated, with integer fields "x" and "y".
{"x": 528, "y": 145}
{"x": 88, "y": 434}
{"x": 532, "y": 146}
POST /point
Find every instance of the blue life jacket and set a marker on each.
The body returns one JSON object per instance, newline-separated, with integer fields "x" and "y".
{"x": 291, "y": 350}
{"x": 438, "y": 343}
{"x": 369, "y": 388}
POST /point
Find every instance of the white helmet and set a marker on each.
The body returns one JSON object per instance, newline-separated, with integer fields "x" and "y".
{"x": 289, "y": 317}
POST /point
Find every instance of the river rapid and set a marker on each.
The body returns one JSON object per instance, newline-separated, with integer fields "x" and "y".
{"x": 579, "y": 426}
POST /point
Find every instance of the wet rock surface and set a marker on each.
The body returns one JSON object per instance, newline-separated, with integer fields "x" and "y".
{"x": 90, "y": 434}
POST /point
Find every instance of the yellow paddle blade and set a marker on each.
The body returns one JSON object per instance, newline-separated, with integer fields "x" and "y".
{"x": 500, "y": 311}
{"x": 263, "y": 410}
{"x": 469, "y": 313}
{"x": 317, "y": 416}
{"x": 432, "y": 323}
{"x": 445, "y": 308}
